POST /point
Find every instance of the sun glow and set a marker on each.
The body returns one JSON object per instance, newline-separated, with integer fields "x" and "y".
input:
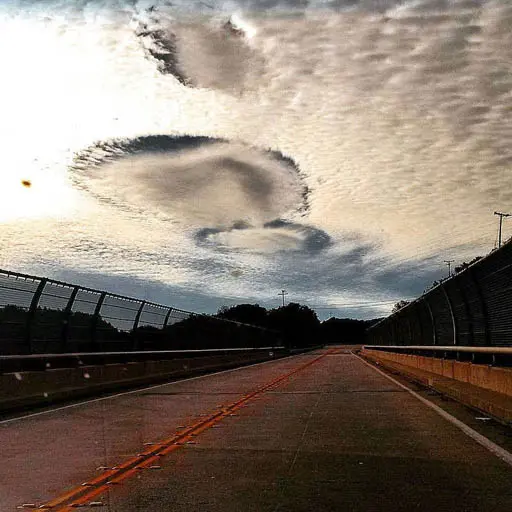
{"x": 239, "y": 23}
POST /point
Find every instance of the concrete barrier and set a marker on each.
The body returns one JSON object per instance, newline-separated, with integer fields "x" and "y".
{"x": 483, "y": 376}
{"x": 39, "y": 388}
{"x": 484, "y": 387}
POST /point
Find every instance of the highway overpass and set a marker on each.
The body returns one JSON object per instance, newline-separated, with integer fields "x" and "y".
{"x": 323, "y": 430}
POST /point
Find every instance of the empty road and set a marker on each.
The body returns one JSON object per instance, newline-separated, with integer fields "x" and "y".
{"x": 319, "y": 431}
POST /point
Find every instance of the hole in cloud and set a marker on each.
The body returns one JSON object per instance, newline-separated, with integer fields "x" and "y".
{"x": 229, "y": 194}
{"x": 215, "y": 55}
{"x": 274, "y": 236}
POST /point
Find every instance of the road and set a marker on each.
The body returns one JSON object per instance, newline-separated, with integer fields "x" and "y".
{"x": 319, "y": 431}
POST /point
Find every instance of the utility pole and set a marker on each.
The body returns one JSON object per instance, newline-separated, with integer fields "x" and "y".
{"x": 283, "y": 293}
{"x": 449, "y": 263}
{"x": 501, "y": 215}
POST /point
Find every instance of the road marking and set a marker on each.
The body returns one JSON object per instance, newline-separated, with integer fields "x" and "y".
{"x": 84, "y": 493}
{"x": 500, "y": 452}
{"x": 139, "y": 390}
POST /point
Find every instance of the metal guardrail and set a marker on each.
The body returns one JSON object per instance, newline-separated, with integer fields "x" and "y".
{"x": 472, "y": 308}
{"x": 40, "y": 315}
{"x": 42, "y": 362}
{"x": 495, "y": 356}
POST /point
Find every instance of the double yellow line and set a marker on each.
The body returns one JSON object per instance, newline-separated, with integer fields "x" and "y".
{"x": 85, "y": 494}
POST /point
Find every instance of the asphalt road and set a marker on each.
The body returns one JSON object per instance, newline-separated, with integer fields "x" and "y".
{"x": 334, "y": 435}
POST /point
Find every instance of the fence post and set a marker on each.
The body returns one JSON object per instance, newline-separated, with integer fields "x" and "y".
{"x": 95, "y": 319}
{"x": 420, "y": 323}
{"x": 467, "y": 310}
{"x": 485, "y": 312}
{"x": 67, "y": 316}
{"x": 393, "y": 331}
{"x": 136, "y": 324}
{"x": 32, "y": 312}
{"x": 450, "y": 307}
{"x": 409, "y": 326}
{"x": 167, "y": 316}
{"x": 137, "y": 316}
{"x": 433, "y": 320}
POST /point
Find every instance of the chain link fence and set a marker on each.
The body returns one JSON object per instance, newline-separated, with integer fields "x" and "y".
{"x": 42, "y": 316}
{"x": 472, "y": 308}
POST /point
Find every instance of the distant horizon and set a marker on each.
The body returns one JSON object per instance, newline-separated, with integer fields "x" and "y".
{"x": 322, "y": 312}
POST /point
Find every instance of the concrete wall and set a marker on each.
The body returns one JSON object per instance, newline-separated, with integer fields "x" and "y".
{"x": 482, "y": 376}
{"x": 39, "y": 388}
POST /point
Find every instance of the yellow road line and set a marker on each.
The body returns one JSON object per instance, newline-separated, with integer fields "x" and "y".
{"x": 82, "y": 495}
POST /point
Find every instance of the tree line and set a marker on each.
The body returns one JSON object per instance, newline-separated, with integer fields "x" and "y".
{"x": 243, "y": 325}
{"x": 299, "y": 325}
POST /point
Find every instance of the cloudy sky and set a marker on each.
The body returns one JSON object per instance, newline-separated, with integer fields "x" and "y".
{"x": 201, "y": 153}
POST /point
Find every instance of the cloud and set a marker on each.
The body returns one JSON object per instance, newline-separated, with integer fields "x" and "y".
{"x": 274, "y": 236}
{"x": 396, "y": 115}
{"x": 215, "y": 55}
{"x": 201, "y": 183}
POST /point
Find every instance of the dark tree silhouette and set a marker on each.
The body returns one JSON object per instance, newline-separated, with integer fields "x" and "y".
{"x": 345, "y": 330}
{"x": 464, "y": 265}
{"x": 399, "y": 305}
{"x": 243, "y": 325}
{"x": 252, "y": 314}
{"x": 298, "y": 325}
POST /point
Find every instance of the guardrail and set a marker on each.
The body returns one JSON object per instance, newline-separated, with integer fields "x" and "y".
{"x": 42, "y": 362}
{"x": 479, "y": 377}
{"x": 40, "y": 315}
{"x": 495, "y": 356}
{"x": 42, "y": 380}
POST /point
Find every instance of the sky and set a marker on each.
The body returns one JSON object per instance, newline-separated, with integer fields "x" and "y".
{"x": 207, "y": 153}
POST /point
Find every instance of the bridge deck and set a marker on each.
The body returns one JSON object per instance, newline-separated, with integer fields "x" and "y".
{"x": 334, "y": 435}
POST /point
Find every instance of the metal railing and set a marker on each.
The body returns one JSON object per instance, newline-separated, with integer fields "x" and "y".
{"x": 40, "y": 315}
{"x": 472, "y": 308}
{"x": 43, "y": 362}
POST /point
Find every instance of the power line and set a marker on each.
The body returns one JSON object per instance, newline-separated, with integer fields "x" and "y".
{"x": 283, "y": 293}
{"x": 501, "y": 215}
{"x": 449, "y": 263}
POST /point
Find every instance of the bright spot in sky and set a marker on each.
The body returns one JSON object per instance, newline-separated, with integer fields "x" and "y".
{"x": 239, "y": 23}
